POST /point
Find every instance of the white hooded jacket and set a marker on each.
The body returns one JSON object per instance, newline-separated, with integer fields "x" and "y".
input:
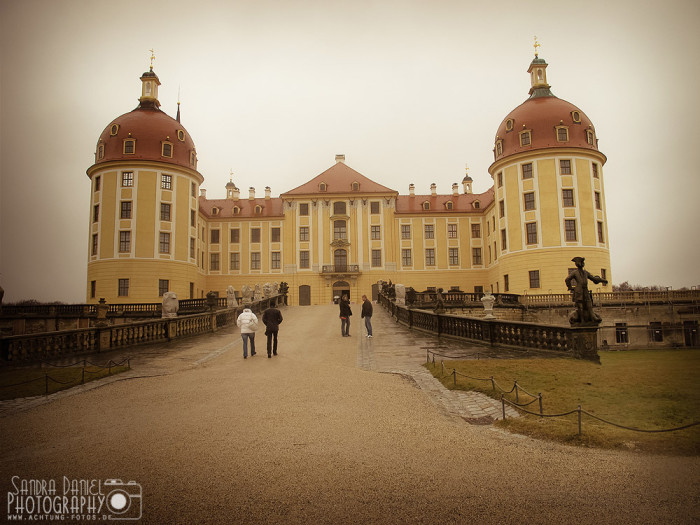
{"x": 247, "y": 321}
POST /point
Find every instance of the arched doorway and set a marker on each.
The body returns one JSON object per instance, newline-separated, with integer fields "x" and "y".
{"x": 304, "y": 295}
{"x": 340, "y": 288}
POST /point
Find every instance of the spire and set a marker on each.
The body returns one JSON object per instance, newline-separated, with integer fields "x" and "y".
{"x": 149, "y": 87}
{"x": 178, "y": 104}
{"x": 538, "y": 75}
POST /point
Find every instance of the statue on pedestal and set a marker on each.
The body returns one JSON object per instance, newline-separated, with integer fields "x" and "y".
{"x": 247, "y": 294}
{"x": 487, "y": 300}
{"x": 439, "y": 302}
{"x": 258, "y": 293}
{"x": 577, "y": 283}
{"x": 170, "y": 305}
{"x": 231, "y": 301}
{"x": 400, "y": 294}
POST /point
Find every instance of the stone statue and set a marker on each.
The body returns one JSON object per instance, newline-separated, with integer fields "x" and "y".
{"x": 247, "y": 294}
{"x": 400, "y": 294}
{"x": 267, "y": 290}
{"x": 170, "y": 305}
{"x": 439, "y": 302}
{"x": 258, "y": 293}
{"x": 410, "y": 296}
{"x": 487, "y": 300}
{"x": 275, "y": 288}
{"x": 284, "y": 288}
{"x": 577, "y": 283}
{"x": 212, "y": 299}
{"x": 231, "y": 301}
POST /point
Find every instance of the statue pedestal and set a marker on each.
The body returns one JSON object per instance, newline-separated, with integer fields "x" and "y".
{"x": 584, "y": 343}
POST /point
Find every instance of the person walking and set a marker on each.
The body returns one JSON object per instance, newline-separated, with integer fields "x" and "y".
{"x": 248, "y": 323}
{"x": 345, "y": 313}
{"x": 272, "y": 318}
{"x": 367, "y": 314}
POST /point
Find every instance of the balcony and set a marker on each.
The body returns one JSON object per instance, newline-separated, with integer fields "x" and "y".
{"x": 345, "y": 269}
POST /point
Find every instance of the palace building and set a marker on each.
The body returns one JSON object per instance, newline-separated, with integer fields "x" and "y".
{"x": 153, "y": 230}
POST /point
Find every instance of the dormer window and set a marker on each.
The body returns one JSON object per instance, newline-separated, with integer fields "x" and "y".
{"x": 525, "y": 138}
{"x": 193, "y": 158}
{"x": 215, "y": 211}
{"x": 499, "y": 147}
{"x": 562, "y": 134}
{"x": 114, "y": 130}
{"x": 167, "y": 149}
{"x": 258, "y": 209}
{"x": 100, "y": 151}
{"x": 576, "y": 117}
{"x": 426, "y": 205}
{"x": 509, "y": 124}
{"x": 181, "y": 135}
{"x": 322, "y": 186}
{"x": 355, "y": 186}
{"x": 590, "y": 137}
{"x": 236, "y": 210}
{"x": 129, "y": 146}
{"x": 449, "y": 205}
{"x": 476, "y": 205}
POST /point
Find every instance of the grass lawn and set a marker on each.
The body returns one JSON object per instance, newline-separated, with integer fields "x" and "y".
{"x": 644, "y": 389}
{"x": 27, "y": 382}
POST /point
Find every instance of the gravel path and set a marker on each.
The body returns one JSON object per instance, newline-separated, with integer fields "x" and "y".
{"x": 311, "y": 437}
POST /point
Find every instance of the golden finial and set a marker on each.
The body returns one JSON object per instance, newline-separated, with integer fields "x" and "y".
{"x": 231, "y": 176}
{"x": 153, "y": 57}
{"x": 466, "y": 167}
{"x": 536, "y": 45}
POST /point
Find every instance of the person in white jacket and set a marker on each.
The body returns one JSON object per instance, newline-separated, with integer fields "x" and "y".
{"x": 248, "y": 323}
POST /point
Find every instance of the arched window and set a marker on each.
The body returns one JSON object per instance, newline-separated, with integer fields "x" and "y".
{"x": 339, "y": 208}
{"x": 449, "y": 205}
{"x": 236, "y": 210}
{"x": 340, "y": 230}
{"x": 355, "y": 186}
{"x": 476, "y": 205}
{"x": 322, "y": 187}
{"x": 258, "y": 209}
{"x": 426, "y": 205}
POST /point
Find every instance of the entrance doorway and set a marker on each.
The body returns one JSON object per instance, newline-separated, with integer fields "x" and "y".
{"x": 340, "y": 288}
{"x": 375, "y": 292}
{"x": 304, "y": 295}
{"x": 690, "y": 333}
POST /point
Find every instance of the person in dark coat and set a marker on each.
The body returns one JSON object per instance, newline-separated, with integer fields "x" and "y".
{"x": 345, "y": 313}
{"x": 272, "y": 318}
{"x": 367, "y": 315}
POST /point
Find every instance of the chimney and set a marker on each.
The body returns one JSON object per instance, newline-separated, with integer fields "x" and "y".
{"x": 268, "y": 193}
{"x": 236, "y": 194}
{"x": 412, "y": 190}
{"x": 455, "y": 189}
{"x": 203, "y": 192}
{"x": 340, "y": 158}
{"x": 433, "y": 189}
{"x": 251, "y": 193}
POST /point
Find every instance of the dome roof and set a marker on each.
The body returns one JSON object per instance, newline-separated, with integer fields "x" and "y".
{"x": 551, "y": 122}
{"x": 150, "y": 128}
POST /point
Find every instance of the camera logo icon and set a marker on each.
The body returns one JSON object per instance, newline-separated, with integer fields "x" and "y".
{"x": 123, "y": 499}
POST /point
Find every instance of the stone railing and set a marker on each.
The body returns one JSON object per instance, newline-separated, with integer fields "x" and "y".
{"x": 19, "y": 349}
{"x": 495, "y": 332}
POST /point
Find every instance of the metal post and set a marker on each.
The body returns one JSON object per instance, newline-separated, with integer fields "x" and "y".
{"x": 515, "y": 385}
{"x": 540, "y": 396}
{"x": 493, "y": 383}
{"x": 503, "y": 405}
{"x": 442, "y": 365}
{"x": 454, "y": 376}
{"x": 579, "y": 420}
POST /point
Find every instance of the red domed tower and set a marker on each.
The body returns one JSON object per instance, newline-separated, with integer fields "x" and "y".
{"x": 549, "y": 193}
{"x": 144, "y": 206}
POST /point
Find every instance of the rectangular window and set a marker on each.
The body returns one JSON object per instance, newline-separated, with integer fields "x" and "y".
{"x": 525, "y": 138}
{"x": 430, "y": 256}
{"x": 255, "y": 260}
{"x": 304, "y": 208}
{"x": 275, "y": 234}
{"x": 235, "y": 236}
{"x": 570, "y": 229}
{"x": 93, "y": 289}
{"x": 127, "y": 179}
{"x": 193, "y": 189}
{"x": 376, "y": 258}
{"x": 567, "y": 198}
{"x": 453, "y": 254}
{"x": 340, "y": 230}
{"x": 275, "y": 260}
{"x": 214, "y": 237}
{"x": 595, "y": 170}
{"x": 235, "y": 261}
{"x": 255, "y": 235}
{"x": 603, "y": 274}
{"x": 405, "y": 231}
{"x": 656, "y": 333}
{"x": 123, "y": 288}
{"x": 527, "y": 170}
{"x": 406, "y": 257}
{"x": 534, "y": 278}
{"x": 167, "y": 149}
{"x": 374, "y": 207}
{"x": 163, "y": 287}
{"x": 506, "y": 283}
{"x": 476, "y": 255}
{"x": 531, "y": 228}
{"x": 193, "y": 218}
{"x": 164, "y": 244}
{"x": 214, "y": 261}
{"x": 621, "y": 336}
{"x": 429, "y": 231}
{"x": 303, "y": 233}
{"x": 597, "y": 200}
{"x": 96, "y": 213}
{"x": 562, "y": 134}
{"x": 166, "y": 182}
{"x": 504, "y": 240}
{"x": 601, "y": 235}
{"x": 97, "y": 183}
{"x": 500, "y": 179}
{"x": 565, "y": 167}
{"x": 192, "y": 252}
{"x": 124, "y": 242}
{"x": 501, "y": 208}
{"x": 304, "y": 259}
{"x": 451, "y": 231}
{"x": 529, "y": 199}
{"x": 376, "y": 232}
{"x": 164, "y": 211}
{"x": 476, "y": 231}
{"x": 125, "y": 210}
{"x": 94, "y": 244}
{"x": 129, "y": 147}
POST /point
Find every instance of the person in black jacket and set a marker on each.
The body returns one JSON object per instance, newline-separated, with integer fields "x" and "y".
{"x": 367, "y": 314}
{"x": 272, "y": 318}
{"x": 345, "y": 313}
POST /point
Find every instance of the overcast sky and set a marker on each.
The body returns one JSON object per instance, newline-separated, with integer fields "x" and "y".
{"x": 409, "y": 91}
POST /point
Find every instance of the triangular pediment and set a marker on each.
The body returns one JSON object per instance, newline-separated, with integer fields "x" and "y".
{"x": 339, "y": 179}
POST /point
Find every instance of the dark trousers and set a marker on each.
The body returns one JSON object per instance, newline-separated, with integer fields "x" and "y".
{"x": 345, "y": 325}
{"x": 272, "y": 342}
